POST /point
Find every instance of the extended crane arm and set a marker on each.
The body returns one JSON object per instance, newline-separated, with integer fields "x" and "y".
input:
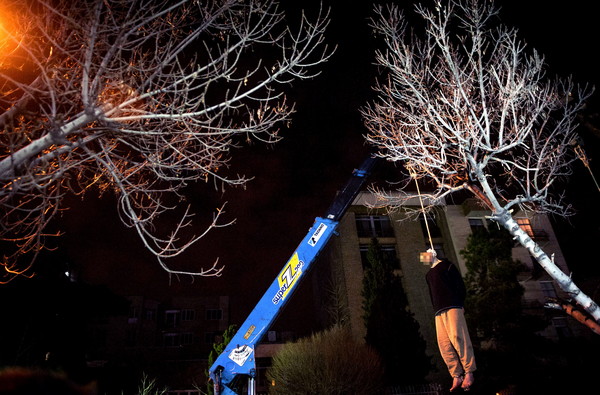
{"x": 238, "y": 360}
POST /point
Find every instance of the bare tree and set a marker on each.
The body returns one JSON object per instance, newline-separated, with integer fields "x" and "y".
{"x": 139, "y": 98}
{"x": 466, "y": 107}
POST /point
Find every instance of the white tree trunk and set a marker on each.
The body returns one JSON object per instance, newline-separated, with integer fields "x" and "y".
{"x": 564, "y": 281}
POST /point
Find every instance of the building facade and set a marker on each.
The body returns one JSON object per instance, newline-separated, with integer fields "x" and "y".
{"x": 168, "y": 340}
{"x": 404, "y": 236}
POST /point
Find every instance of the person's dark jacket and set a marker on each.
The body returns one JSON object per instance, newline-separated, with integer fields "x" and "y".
{"x": 446, "y": 287}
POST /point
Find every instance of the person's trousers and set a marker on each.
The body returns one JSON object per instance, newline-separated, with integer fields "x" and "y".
{"x": 454, "y": 341}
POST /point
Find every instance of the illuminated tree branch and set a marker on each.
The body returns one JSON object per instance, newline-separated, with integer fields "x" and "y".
{"x": 466, "y": 107}
{"x": 139, "y": 98}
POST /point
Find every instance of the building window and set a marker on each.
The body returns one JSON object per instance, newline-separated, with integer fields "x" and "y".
{"x": 525, "y": 225}
{"x": 535, "y": 234}
{"x": 178, "y": 339}
{"x": 434, "y": 230}
{"x": 214, "y": 314}
{"x": 548, "y": 289}
{"x": 133, "y": 312}
{"x": 562, "y": 327}
{"x": 477, "y": 224}
{"x": 171, "y": 339}
{"x": 186, "y": 339}
{"x": 150, "y": 314}
{"x": 374, "y": 226}
{"x": 388, "y": 251}
{"x": 133, "y": 315}
{"x": 188, "y": 315}
{"x": 171, "y": 318}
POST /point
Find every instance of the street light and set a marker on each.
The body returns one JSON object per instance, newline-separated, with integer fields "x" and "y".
{"x": 9, "y": 40}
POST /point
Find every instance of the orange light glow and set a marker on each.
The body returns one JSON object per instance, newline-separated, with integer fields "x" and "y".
{"x": 4, "y": 27}
{"x": 9, "y": 40}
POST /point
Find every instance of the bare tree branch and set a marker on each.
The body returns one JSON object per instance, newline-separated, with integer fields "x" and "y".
{"x": 573, "y": 311}
{"x": 467, "y": 107}
{"x": 138, "y": 98}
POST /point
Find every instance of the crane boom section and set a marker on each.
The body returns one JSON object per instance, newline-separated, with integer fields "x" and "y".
{"x": 238, "y": 358}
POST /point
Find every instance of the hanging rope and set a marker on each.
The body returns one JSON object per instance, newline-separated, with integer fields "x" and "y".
{"x": 581, "y": 154}
{"x": 413, "y": 175}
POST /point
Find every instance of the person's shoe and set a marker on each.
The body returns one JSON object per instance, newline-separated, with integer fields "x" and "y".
{"x": 468, "y": 381}
{"x": 456, "y": 383}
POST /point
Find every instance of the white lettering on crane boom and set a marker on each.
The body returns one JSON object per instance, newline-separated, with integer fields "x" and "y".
{"x": 314, "y": 239}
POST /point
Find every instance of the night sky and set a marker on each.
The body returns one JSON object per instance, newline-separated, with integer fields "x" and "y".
{"x": 296, "y": 180}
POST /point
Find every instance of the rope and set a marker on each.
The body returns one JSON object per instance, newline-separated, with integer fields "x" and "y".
{"x": 581, "y": 154}
{"x": 414, "y": 176}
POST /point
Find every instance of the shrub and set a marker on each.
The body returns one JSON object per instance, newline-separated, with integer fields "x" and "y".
{"x": 329, "y": 362}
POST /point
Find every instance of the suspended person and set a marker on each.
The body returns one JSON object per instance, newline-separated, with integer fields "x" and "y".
{"x": 447, "y": 292}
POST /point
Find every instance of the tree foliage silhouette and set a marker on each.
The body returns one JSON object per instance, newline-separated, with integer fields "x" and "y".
{"x": 391, "y": 327}
{"x": 493, "y": 303}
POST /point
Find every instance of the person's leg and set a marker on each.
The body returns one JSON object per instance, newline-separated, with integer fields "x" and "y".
{"x": 468, "y": 381}
{"x": 447, "y": 350}
{"x": 458, "y": 334}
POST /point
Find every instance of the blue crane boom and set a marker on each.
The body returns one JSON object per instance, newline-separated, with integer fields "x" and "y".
{"x": 237, "y": 361}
